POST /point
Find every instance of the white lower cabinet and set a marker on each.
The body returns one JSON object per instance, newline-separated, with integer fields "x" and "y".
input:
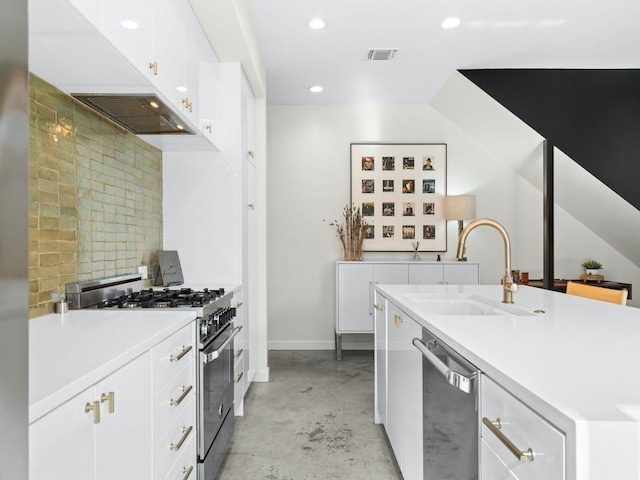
{"x": 174, "y": 403}
{"x": 102, "y": 433}
{"x": 380, "y": 359}
{"x": 530, "y": 433}
{"x": 460, "y": 273}
{"x": 355, "y": 286}
{"x": 176, "y": 441}
{"x": 404, "y": 393}
{"x": 136, "y": 423}
{"x": 241, "y": 353}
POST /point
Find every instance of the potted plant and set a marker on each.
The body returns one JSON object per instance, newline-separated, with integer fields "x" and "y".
{"x": 592, "y": 267}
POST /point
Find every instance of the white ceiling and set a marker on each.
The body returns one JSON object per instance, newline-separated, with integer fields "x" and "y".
{"x": 493, "y": 34}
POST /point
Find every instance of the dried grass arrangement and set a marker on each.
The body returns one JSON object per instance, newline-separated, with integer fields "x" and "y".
{"x": 351, "y": 232}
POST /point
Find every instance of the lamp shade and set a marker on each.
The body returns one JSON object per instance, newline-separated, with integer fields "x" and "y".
{"x": 460, "y": 207}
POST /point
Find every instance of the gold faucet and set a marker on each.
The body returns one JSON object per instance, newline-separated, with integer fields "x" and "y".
{"x": 509, "y": 288}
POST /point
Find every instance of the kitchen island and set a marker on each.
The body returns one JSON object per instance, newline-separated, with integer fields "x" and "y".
{"x": 570, "y": 360}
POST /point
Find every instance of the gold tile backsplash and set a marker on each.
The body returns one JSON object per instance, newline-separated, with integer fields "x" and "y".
{"x": 95, "y": 195}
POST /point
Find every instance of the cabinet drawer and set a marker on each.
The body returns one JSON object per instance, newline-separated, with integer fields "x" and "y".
{"x": 168, "y": 358}
{"x": 240, "y": 340}
{"x": 164, "y": 408}
{"x": 526, "y": 430}
{"x": 492, "y": 467}
{"x": 239, "y": 374}
{"x": 164, "y": 456}
{"x": 186, "y": 466}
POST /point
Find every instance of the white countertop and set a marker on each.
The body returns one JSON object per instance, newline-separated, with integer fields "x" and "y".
{"x": 576, "y": 365}
{"x": 68, "y": 353}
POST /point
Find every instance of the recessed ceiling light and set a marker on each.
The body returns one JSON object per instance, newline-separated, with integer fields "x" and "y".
{"x": 129, "y": 24}
{"x": 182, "y": 89}
{"x": 450, "y": 22}
{"x": 316, "y": 89}
{"x": 154, "y": 104}
{"x": 316, "y": 24}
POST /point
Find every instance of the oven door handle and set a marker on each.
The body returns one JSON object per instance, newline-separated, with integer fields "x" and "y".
{"x": 210, "y": 357}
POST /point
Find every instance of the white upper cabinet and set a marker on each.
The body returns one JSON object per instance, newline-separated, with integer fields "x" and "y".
{"x": 91, "y": 10}
{"x": 194, "y": 40}
{"x": 248, "y": 126}
{"x": 210, "y": 101}
{"x": 124, "y": 46}
{"x": 129, "y": 27}
{"x": 167, "y": 72}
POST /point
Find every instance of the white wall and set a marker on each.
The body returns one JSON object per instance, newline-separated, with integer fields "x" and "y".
{"x": 308, "y": 186}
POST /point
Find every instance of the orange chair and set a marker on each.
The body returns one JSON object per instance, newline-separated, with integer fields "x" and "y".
{"x": 597, "y": 293}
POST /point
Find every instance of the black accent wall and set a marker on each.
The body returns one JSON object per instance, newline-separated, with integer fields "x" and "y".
{"x": 591, "y": 115}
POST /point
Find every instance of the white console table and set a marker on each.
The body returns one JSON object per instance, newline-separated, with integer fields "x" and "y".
{"x": 355, "y": 287}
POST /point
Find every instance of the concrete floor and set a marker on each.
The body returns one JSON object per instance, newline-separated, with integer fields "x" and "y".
{"x": 313, "y": 420}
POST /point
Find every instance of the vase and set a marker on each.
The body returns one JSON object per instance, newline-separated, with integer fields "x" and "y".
{"x": 353, "y": 254}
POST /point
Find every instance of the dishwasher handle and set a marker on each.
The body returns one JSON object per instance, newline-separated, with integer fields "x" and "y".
{"x": 455, "y": 379}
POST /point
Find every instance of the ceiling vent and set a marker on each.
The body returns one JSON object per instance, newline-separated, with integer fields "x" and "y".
{"x": 382, "y": 53}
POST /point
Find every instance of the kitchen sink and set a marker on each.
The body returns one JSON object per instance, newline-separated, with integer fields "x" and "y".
{"x": 458, "y": 304}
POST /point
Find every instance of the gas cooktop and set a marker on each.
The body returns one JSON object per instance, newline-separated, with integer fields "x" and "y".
{"x": 212, "y": 306}
{"x": 165, "y": 298}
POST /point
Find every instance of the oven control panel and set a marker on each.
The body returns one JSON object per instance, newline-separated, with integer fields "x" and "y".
{"x": 214, "y": 322}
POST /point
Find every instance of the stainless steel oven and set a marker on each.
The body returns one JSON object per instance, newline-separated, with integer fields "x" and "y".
{"x": 215, "y": 401}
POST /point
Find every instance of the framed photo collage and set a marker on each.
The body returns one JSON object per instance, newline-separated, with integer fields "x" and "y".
{"x": 400, "y": 190}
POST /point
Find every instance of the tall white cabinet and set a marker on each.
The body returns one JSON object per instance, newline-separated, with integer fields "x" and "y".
{"x": 210, "y": 212}
{"x": 355, "y": 286}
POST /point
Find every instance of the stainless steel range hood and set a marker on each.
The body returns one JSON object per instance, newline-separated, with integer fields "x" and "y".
{"x": 142, "y": 114}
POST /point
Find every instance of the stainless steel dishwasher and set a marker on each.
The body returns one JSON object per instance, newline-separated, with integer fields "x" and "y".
{"x": 450, "y": 411}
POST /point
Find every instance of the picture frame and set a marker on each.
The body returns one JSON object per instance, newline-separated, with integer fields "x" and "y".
{"x": 400, "y": 190}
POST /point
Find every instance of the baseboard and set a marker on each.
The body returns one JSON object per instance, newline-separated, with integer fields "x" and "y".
{"x": 261, "y": 375}
{"x": 302, "y": 345}
{"x": 320, "y": 345}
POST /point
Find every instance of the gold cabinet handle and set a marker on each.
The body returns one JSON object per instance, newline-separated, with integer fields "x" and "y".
{"x": 111, "y": 398}
{"x": 185, "y": 349}
{"x": 153, "y": 66}
{"x": 380, "y": 308}
{"x": 185, "y": 434}
{"x": 398, "y": 320}
{"x": 238, "y": 353}
{"x": 237, "y": 379}
{"x": 187, "y": 104}
{"x": 185, "y": 392}
{"x": 95, "y": 408}
{"x": 251, "y": 154}
{"x": 187, "y": 472}
{"x": 239, "y": 304}
{"x": 494, "y": 427}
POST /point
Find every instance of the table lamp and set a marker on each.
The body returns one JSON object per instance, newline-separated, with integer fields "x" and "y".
{"x": 459, "y": 207}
